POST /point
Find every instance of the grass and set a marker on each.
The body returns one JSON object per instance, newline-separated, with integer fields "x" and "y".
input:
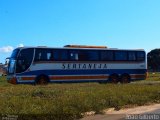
{"x": 69, "y": 101}
{"x": 154, "y": 76}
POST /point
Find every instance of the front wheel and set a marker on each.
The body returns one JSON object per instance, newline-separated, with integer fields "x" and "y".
{"x": 42, "y": 80}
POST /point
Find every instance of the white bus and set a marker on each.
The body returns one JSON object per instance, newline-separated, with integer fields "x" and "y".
{"x": 75, "y": 63}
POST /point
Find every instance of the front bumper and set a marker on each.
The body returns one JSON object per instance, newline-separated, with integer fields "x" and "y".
{"x": 12, "y": 79}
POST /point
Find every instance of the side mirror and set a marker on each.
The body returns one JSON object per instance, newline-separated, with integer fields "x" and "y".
{"x": 7, "y": 61}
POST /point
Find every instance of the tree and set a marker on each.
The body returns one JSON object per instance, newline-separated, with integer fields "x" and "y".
{"x": 153, "y": 58}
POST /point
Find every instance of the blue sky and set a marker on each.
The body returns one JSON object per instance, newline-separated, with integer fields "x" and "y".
{"x": 127, "y": 24}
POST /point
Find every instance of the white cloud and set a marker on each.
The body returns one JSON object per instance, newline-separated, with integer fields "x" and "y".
{"x": 6, "y": 49}
{"x": 21, "y": 45}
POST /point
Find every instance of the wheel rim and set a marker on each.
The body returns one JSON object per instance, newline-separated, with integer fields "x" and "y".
{"x": 42, "y": 80}
{"x": 125, "y": 79}
{"x": 114, "y": 79}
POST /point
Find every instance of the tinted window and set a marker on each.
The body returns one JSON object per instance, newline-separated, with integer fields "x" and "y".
{"x": 131, "y": 56}
{"x": 24, "y": 60}
{"x": 92, "y": 55}
{"x": 43, "y": 55}
{"x": 120, "y": 55}
{"x": 60, "y": 55}
{"x": 107, "y": 55}
{"x": 73, "y": 55}
{"x": 15, "y": 53}
{"x": 82, "y": 55}
{"x": 141, "y": 56}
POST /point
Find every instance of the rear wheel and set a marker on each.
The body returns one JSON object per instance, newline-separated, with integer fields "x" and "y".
{"x": 114, "y": 78}
{"x": 42, "y": 80}
{"x": 125, "y": 78}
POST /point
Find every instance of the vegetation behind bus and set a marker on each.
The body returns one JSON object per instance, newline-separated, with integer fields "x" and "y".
{"x": 153, "y": 58}
{"x": 69, "y": 101}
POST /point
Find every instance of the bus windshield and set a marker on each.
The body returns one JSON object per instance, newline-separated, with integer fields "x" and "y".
{"x": 12, "y": 61}
{"x": 15, "y": 53}
{"x": 24, "y": 60}
{"x": 11, "y": 66}
{"x": 20, "y": 60}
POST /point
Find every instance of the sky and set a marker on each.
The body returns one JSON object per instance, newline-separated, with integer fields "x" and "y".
{"x": 123, "y": 24}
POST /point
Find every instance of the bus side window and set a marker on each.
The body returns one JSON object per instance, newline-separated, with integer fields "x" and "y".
{"x": 82, "y": 55}
{"x": 107, "y": 55}
{"x": 49, "y": 56}
{"x": 140, "y": 56}
{"x": 121, "y": 55}
{"x": 56, "y": 55}
{"x": 43, "y": 55}
{"x": 73, "y": 55}
{"x": 92, "y": 55}
{"x": 59, "y": 55}
{"x": 131, "y": 56}
{"x": 38, "y": 55}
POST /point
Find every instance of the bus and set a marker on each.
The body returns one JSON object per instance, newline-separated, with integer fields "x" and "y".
{"x": 76, "y": 63}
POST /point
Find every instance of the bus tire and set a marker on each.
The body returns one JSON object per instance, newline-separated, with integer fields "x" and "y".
{"x": 114, "y": 78}
{"x": 125, "y": 78}
{"x": 42, "y": 80}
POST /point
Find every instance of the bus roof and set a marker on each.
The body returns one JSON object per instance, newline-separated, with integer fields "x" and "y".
{"x": 80, "y": 47}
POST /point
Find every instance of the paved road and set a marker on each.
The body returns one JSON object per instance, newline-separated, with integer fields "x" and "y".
{"x": 127, "y": 114}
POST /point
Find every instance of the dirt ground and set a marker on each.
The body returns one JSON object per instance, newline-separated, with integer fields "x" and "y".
{"x": 111, "y": 114}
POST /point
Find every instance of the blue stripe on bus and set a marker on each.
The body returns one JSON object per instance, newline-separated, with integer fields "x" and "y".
{"x": 84, "y": 72}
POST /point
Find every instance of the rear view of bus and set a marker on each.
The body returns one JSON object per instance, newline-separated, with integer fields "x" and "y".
{"x": 72, "y": 63}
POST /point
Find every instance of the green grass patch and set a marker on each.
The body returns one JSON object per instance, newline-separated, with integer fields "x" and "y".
{"x": 69, "y": 101}
{"x": 154, "y": 76}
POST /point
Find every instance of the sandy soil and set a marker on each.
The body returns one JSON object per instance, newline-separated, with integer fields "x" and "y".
{"x": 111, "y": 114}
{"x": 135, "y": 110}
